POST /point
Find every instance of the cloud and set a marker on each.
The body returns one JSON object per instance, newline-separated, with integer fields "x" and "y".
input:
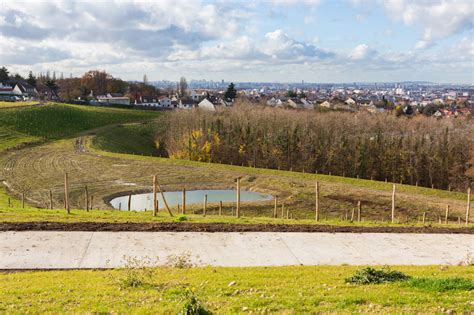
{"x": 360, "y": 52}
{"x": 438, "y": 19}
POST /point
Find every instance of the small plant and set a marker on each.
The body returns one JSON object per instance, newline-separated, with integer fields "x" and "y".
{"x": 191, "y": 304}
{"x": 181, "y": 218}
{"x": 442, "y": 284}
{"x": 182, "y": 261}
{"x": 138, "y": 272}
{"x": 373, "y": 276}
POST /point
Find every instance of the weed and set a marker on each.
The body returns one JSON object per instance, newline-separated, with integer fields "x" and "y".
{"x": 182, "y": 261}
{"x": 442, "y": 284}
{"x": 191, "y": 304}
{"x": 181, "y": 218}
{"x": 137, "y": 272}
{"x": 373, "y": 276}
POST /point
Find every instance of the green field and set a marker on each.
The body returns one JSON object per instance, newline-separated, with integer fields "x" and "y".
{"x": 57, "y": 121}
{"x": 261, "y": 290}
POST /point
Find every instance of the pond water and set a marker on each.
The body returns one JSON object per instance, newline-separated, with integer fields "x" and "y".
{"x": 140, "y": 202}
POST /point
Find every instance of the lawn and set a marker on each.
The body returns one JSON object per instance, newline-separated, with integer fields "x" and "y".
{"x": 17, "y": 104}
{"x": 259, "y": 290}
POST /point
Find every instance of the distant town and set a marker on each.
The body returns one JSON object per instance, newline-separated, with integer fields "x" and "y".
{"x": 102, "y": 89}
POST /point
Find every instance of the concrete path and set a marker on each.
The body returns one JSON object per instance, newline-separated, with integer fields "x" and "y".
{"x": 51, "y": 250}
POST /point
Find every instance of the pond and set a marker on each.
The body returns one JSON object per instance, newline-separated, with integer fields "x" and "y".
{"x": 140, "y": 202}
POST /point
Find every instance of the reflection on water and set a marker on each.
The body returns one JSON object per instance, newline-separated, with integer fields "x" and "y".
{"x": 140, "y": 202}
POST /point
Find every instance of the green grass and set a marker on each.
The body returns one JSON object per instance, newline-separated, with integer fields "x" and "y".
{"x": 442, "y": 284}
{"x": 140, "y": 139}
{"x": 10, "y": 139}
{"x": 16, "y": 104}
{"x": 228, "y": 290}
{"x": 57, "y": 121}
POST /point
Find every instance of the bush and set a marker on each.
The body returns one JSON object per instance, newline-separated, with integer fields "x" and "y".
{"x": 192, "y": 305}
{"x": 373, "y": 276}
{"x": 181, "y": 218}
{"x": 138, "y": 272}
{"x": 442, "y": 284}
{"x": 182, "y": 261}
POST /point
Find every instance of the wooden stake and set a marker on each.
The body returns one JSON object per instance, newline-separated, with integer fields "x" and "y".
{"x": 204, "y": 206}
{"x": 184, "y": 200}
{"x": 393, "y": 203}
{"x": 66, "y": 194}
{"x": 447, "y": 215}
{"x": 164, "y": 199}
{"x": 352, "y": 214}
{"x": 22, "y": 200}
{"x": 129, "y": 202}
{"x": 50, "y": 200}
{"x": 424, "y": 217}
{"x": 92, "y": 200}
{"x": 238, "y": 198}
{"x": 220, "y": 207}
{"x": 359, "y": 210}
{"x": 155, "y": 199}
{"x": 282, "y": 210}
{"x": 468, "y": 209}
{"x": 275, "y": 207}
{"x": 316, "y": 208}
{"x": 86, "y": 198}
{"x": 287, "y": 214}
{"x": 9, "y": 202}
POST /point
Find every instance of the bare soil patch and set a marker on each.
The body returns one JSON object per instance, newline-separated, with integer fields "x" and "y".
{"x": 222, "y": 227}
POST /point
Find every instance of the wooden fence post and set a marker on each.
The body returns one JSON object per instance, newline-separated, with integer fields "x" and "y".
{"x": 9, "y": 202}
{"x": 50, "y": 199}
{"x": 424, "y": 217}
{"x": 468, "y": 209}
{"x": 155, "y": 199}
{"x": 352, "y": 214}
{"x": 23, "y": 200}
{"x": 92, "y": 201}
{"x": 447, "y": 215}
{"x": 164, "y": 199}
{"x": 183, "y": 197}
{"x": 359, "y": 210}
{"x": 204, "y": 206}
{"x": 129, "y": 202}
{"x": 220, "y": 207}
{"x": 275, "y": 207}
{"x": 316, "y": 209}
{"x": 238, "y": 198}
{"x": 86, "y": 197}
{"x": 393, "y": 202}
{"x": 283, "y": 210}
{"x": 66, "y": 194}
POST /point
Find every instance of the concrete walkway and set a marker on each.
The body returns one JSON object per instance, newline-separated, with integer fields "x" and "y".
{"x": 51, "y": 250}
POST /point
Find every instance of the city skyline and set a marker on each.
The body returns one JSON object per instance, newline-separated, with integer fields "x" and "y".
{"x": 316, "y": 41}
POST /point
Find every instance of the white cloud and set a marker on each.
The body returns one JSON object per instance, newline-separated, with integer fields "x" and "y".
{"x": 361, "y": 51}
{"x": 438, "y": 18}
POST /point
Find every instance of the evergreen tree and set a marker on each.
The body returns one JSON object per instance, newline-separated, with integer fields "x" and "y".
{"x": 231, "y": 92}
{"x": 3, "y": 75}
{"x": 31, "y": 79}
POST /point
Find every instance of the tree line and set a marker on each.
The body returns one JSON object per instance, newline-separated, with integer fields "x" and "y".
{"x": 419, "y": 151}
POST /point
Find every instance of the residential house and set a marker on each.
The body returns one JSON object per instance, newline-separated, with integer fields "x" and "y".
{"x": 164, "y": 101}
{"x": 186, "y": 103}
{"x": 113, "y": 98}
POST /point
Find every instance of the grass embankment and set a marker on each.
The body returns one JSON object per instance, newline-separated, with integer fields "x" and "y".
{"x": 236, "y": 290}
{"x": 17, "y": 104}
{"x": 57, "y": 121}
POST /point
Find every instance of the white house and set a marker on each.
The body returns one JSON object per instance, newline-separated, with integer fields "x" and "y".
{"x": 350, "y": 102}
{"x": 110, "y": 99}
{"x": 164, "y": 101}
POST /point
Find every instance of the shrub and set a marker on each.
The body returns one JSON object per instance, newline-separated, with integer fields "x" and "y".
{"x": 137, "y": 272}
{"x": 181, "y": 218}
{"x": 442, "y": 284}
{"x": 192, "y": 305}
{"x": 373, "y": 276}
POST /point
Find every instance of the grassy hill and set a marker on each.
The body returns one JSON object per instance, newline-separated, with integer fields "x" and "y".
{"x": 57, "y": 121}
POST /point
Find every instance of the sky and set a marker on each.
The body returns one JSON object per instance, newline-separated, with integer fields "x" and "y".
{"x": 261, "y": 41}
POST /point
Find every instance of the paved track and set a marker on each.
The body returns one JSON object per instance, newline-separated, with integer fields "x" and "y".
{"x": 63, "y": 250}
